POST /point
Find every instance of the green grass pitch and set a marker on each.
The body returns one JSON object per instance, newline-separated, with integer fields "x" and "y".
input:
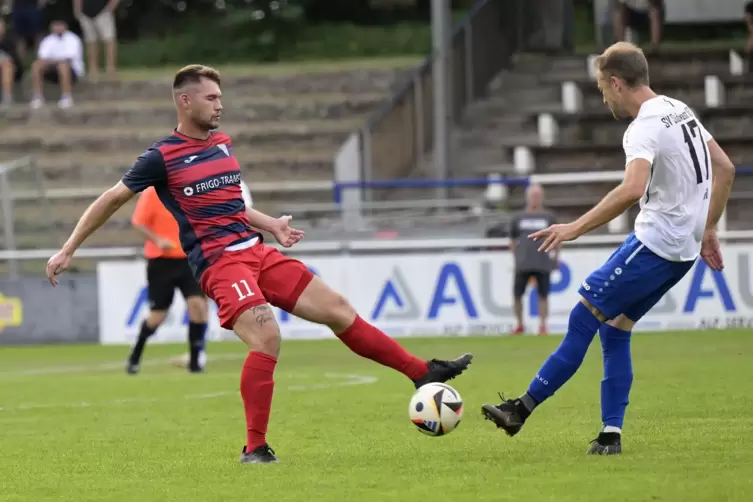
{"x": 74, "y": 427}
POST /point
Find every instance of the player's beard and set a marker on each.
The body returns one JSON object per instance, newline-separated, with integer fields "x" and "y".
{"x": 207, "y": 124}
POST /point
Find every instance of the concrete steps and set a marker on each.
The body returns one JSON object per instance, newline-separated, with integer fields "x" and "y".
{"x": 285, "y": 134}
{"x": 79, "y": 168}
{"x": 249, "y": 109}
{"x": 366, "y": 80}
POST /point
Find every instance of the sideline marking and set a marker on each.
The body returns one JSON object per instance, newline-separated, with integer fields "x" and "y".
{"x": 339, "y": 380}
{"x": 106, "y": 366}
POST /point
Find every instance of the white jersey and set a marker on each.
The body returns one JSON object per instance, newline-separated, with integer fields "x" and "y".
{"x": 675, "y": 206}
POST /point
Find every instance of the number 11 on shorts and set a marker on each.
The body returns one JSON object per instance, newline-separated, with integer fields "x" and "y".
{"x": 241, "y": 295}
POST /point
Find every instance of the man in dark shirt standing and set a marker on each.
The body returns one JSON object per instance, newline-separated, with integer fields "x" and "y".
{"x": 28, "y": 23}
{"x": 529, "y": 262}
{"x": 11, "y": 69}
{"x": 97, "y": 21}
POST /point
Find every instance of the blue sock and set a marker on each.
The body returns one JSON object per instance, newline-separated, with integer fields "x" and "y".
{"x": 618, "y": 375}
{"x": 566, "y": 360}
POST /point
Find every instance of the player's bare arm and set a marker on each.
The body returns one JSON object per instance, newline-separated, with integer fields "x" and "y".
{"x": 612, "y": 205}
{"x": 723, "y": 174}
{"x": 280, "y": 227}
{"x": 94, "y": 217}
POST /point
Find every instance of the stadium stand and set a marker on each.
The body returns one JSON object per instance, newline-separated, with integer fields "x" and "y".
{"x": 517, "y": 116}
{"x": 286, "y": 130}
{"x": 528, "y": 111}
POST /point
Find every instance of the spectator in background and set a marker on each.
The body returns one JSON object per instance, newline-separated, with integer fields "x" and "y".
{"x": 529, "y": 262}
{"x": 11, "y": 68}
{"x": 28, "y": 23}
{"x": 60, "y": 60}
{"x": 749, "y": 22}
{"x": 97, "y": 21}
{"x": 638, "y": 15}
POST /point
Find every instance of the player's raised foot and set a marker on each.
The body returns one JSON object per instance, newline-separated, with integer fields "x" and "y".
{"x": 261, "y": 455}
{"x": 442, "y": 371}
{"x": 510, "y": 415}
{"x": 132, "y": 368}
{"x": 608, "y": 443}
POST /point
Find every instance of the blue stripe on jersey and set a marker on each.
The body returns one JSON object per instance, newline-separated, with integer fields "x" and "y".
{"x": 188, "y": 237}
{"x": 170, "y": 140}
{"x": 233, "y": 228}
{"x": 222, "y": 209}
{"x": 197, "y": 157}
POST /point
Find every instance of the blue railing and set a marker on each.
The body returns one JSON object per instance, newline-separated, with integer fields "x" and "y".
{"x": 338, "y": 188}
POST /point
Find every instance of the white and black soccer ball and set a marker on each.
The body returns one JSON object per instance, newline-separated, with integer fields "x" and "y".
{"x": 436, "y": 409}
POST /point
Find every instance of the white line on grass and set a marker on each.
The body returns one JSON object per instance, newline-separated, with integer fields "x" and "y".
{"x": 105, "y": 366}
{"x": 339, "y": 380}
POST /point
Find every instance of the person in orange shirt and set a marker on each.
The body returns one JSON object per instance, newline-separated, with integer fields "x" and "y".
{"x": 167, "y": 269}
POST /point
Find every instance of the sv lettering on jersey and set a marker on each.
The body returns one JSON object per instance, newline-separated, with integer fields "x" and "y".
{"x": 677, "y": 118}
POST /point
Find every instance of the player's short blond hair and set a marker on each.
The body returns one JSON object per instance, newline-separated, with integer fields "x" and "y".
{"x": 193, "y": 73}
{"x": 626, "y": 62}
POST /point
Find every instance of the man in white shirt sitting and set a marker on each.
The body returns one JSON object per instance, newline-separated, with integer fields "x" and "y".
{"x": 60, "y": 60}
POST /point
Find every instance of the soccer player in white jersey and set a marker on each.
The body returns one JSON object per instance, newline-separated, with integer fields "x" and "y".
{"x": 683, "y": 180}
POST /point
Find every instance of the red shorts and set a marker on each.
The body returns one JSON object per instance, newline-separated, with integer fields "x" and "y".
{"x": 240, "y": 280}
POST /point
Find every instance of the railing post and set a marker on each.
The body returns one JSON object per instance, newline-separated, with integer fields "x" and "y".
{"x": 8, "y": 230}
{"x": 468, "y": 31}
{"x": 368, "y": 160}
{"x": 418, "y": 117}
{"x": 440, "y": 19}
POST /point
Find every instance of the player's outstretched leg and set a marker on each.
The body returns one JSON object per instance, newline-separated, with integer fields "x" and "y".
{"x": 148, "y": 328}
{"x": 258, "y": 328}
{"x": 615, "y": 389}
{"x": 511, "y": 414}
{"x": 320, "y": 304}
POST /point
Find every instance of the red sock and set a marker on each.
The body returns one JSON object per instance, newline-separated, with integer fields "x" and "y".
{"x": 257, "y": 386}
{"x": 369, "y": 342}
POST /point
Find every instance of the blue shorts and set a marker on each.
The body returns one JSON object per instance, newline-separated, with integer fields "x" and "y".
{"x": 632, "y": 281}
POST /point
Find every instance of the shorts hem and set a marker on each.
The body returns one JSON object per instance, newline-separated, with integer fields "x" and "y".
{"x": 289, "y": 303}
{"x": 597, "y": 305}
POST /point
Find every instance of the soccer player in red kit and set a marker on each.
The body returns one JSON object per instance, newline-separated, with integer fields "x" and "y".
{"x": 197, "y": 178}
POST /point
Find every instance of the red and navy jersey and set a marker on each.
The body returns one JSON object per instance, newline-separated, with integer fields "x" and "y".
{"x": 198, "y": 181}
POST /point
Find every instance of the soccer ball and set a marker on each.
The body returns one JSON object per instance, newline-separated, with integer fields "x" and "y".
{"x": 436, "y": 409}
